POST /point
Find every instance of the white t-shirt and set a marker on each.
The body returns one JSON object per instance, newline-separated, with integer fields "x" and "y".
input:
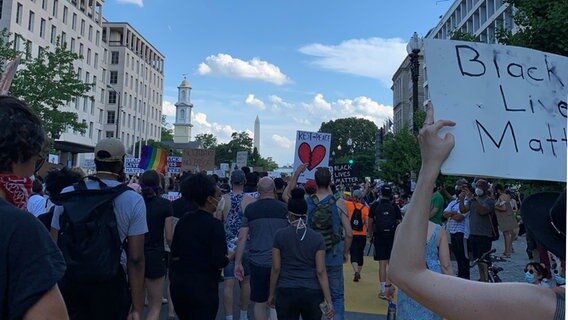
{"x": 36, "y": 204}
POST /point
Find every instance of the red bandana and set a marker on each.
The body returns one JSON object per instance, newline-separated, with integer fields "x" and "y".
{"x": 17, "y": 190}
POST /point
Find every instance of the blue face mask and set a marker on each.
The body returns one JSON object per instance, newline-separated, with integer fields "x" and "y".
{"x": 558, "y": 279}
{"x": 529, "y": 277}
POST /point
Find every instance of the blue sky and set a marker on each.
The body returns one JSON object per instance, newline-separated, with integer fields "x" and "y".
{"x": 294, "y": 63}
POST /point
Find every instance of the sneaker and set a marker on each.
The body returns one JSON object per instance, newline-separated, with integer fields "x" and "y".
{"x": 382, "y": 295}
{"x": 356, "y": 277}
{"x": 164, "y": 300}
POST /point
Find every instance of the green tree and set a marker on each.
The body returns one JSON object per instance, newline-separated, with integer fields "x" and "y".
{"x": 463, "y": 36}
{"x": 400, "y": 155}
{"x": 167, "y": 133}
{"x": 541, "y": 26}
{"x": 227, "y": 152}
{"x": 47, "y": 83}
{"x": 208, "y": 140}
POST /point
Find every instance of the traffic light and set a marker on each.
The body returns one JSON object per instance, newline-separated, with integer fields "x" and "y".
{"x": 350, "y": 161}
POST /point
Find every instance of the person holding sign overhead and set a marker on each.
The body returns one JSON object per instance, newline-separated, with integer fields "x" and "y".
{"x": 456, "y": 298}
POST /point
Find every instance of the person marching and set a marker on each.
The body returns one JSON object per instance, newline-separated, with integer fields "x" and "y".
{"x": 359, "y": 217}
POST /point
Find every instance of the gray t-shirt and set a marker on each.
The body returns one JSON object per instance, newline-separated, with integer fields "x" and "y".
{"x": 129, "y": 208}
{"x": 480, "y": 225}
{"x": 298, "y": 258}
{"x": 264, "y": 218}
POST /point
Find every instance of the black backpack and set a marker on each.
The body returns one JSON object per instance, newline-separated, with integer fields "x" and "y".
{"x": 357, "y": 218}
{"x": 385, "y": 219}
{"x": 89, "y": 238}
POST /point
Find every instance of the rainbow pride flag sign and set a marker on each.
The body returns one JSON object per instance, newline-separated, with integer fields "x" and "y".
{"x": 153, "y": 158}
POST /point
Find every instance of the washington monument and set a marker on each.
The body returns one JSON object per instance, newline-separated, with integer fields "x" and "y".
{"x": 257, "y": 134}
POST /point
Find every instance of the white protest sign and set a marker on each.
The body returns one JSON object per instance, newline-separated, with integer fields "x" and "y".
{"x": 242, "y": 159}
{"x": 88, "y": 164}
{"x": 131, "y": 166}
{"x": 312, "y": 148}
{"x": 174, "y": 164}
{"x": 509, "y": 105}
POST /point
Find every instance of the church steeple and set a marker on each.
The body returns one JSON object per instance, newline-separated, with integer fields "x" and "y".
{"x": 182, "y": 131}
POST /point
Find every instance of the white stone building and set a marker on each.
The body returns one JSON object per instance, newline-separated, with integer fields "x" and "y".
{"x": 134, "y": 74}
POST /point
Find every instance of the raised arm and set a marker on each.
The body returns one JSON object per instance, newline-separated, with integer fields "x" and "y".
{"x": 293, "y": 182}
{"x": 452, "y": 297}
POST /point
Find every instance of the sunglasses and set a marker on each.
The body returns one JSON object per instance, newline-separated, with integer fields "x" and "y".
{"x": 531, "y": 271}
{"x": 39, "y": 163}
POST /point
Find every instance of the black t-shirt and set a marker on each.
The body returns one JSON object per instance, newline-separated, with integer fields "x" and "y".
{"x": 30, "y": 262}
{"x": 157, "y": 210}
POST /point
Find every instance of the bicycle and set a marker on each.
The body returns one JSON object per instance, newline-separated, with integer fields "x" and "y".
{"x": 492, "y": 271}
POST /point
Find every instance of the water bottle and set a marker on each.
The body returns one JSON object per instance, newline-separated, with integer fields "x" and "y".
{"x": 391, "y": 313}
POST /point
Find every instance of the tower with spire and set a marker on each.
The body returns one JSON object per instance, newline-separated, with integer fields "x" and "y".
{"x": 257, "y": 134}
{"x": 182, "y": 125}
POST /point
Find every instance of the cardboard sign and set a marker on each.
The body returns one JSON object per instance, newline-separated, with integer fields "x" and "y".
{"x": 509, "y": 105}
{"x": 242, "y": 159}
{"x": 88, "y": 164}
{"x": 344, "y": 174}
{"x": 225, "y": 167}
{"x": 131, "y": 166}
{"x": 312, "y": 148}
{"x": 201, "y": 159}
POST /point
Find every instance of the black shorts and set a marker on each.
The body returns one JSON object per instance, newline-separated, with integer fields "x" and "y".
{"x": 155, "y": 264}
{"x": 383, "y": 248}
{"x": 479, "y": 245}
{"x": 259, "y": 283}
{"x": 357, "y": 250}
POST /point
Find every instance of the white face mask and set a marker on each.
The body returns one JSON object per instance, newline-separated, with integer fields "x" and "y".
{"x": 221, "y": 204}
{"x": 479, "y": 192}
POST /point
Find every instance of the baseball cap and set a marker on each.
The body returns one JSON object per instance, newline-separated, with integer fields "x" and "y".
{"x": 237, "y": 177}
{"x": 109, "y": 150}
{"x": 310, "y": 186}
{"x": 386, "y": 190}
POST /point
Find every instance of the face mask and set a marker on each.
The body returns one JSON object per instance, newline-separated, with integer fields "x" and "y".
{"x": 216, "y": 204}
{"x": 529, "y": 277}
{"x": 558, "y": 279}
{"x": 479, "y": 192}
{"x": 221, "y": 204}
{"x": 300, "y": 224}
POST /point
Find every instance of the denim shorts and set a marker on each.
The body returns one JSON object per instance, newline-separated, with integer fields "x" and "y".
{"x": 229, "y": 270}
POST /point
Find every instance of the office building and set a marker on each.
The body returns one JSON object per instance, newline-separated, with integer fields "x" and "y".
{"x": 134, "y": 71}
{"x": 480, "y": 18}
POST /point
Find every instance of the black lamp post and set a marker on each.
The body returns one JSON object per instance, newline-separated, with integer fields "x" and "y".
{"x": 413, "y": 49}
{"x": 118, "y": 109}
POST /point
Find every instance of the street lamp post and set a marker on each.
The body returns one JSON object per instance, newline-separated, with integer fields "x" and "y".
{"x": 117, "y": 111}
{"x": 413, "y": 49}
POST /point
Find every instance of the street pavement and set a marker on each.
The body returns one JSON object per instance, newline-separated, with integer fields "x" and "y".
{"x": 361, "y": 297}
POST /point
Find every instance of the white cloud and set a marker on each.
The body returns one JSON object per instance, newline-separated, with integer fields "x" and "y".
{"x": 282, "y": 141}
{"x": 359, "y": 107}
{"x": 278, "y": 103}
{"x": 375, "y": 58}
{"x": 254, "y": 102}
{"x": 168, "y": 108}
{"x": 225, "y": 65}
{"x": 302, "y": 121}
{"x": 202, "y": 125}
{"x": 139, "y": 3}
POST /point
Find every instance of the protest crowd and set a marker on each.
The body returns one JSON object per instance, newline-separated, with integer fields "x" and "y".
{"x": 116, "y": 241}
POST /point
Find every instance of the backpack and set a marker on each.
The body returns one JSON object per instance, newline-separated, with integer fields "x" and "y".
{"x": 89, "y": 238}
{"x": 385, "y": 221}
{"x": 322, "y": 221}
{"x": 357, "y": 218}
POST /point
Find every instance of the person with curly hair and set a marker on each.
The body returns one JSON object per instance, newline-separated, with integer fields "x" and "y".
{"x": 31, "y": 264}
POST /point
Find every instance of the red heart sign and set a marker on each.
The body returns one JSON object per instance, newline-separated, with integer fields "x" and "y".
{"x": 312, "y": 157}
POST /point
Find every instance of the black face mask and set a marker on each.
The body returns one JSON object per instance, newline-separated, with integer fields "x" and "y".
{"x": 457, "y": 192}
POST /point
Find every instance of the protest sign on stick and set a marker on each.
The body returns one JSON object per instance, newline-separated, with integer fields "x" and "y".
{"x": 312, "y": 148}
{"x": 344, "y": 174}
{"x": 509, "y": 105}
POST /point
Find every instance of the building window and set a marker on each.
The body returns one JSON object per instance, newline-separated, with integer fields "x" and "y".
{"x": 55, "y": 8}
{"x": 88, "y": 56}
{"x": 113, "y": 77}
{"x": 31, "y": 21}
{"x": 90, "y": 33}
{"x": 42, "y": 28}
{"x": 111, "y": 117}
{"x": 114, "y": 57}
{"x": 82, "y": 27}
{"x": 79, "y": 73}
{"x": 81, "y": 50}
{"x": 87, "y": 76}
{"x": 94, "y": 84}
{"x": 53, "y": 34}
{"x": 19, "y": 12}
{"x": 110, "y": 134}
{"x": 29, "y": 47}
{"x": 98, "y": 38}
{"x": 73, "y": 45}
{"x": 74, "y": 22}
{"x": 44, "y": 4}
{"x": 96, "y": 61}
{"x": 112, "y": 97}
{"x": 85, "y": 103}
{"x": 65, "y": 13}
